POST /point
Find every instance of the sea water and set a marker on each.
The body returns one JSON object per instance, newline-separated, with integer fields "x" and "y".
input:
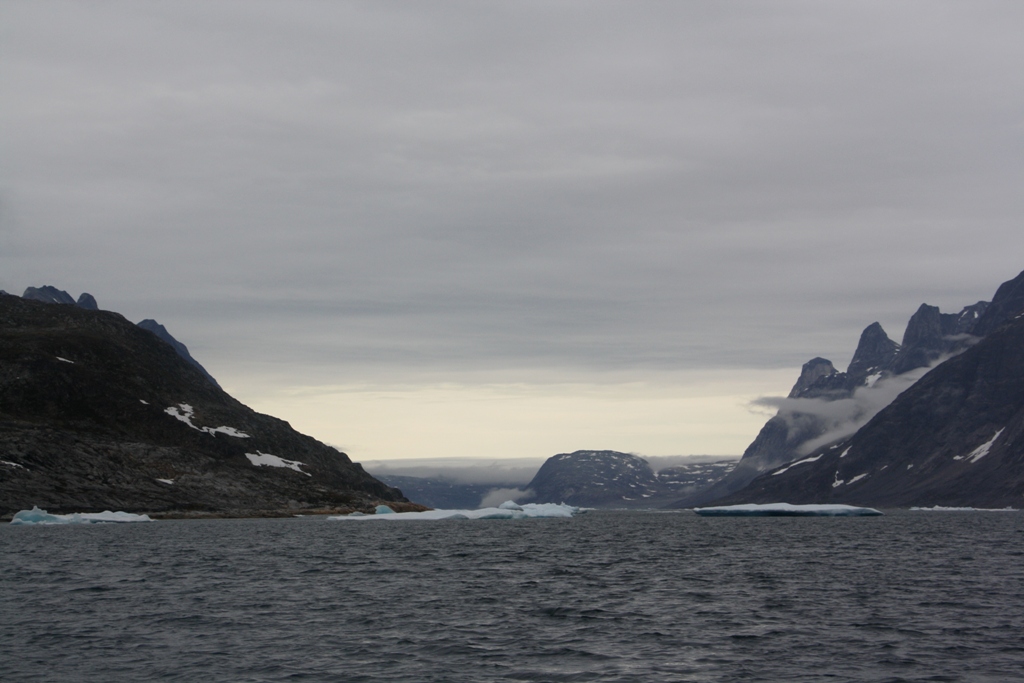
{"x": 604, "y": 596}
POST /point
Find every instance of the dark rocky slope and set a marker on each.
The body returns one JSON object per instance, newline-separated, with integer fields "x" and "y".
{"x": 594, "y": 479}
{"x": 930, "y": 337}
{"x": 95, "y": 413}
{"x": 955, "y": 438}
{"x": 161, "y": 332}
{"x": 49, "y": 294}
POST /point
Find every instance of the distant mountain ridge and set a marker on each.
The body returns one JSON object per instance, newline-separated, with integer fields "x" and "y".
{"x": 617, "y": 480}
{"x": 161, "y": 332}
{"x": 51, "y": 295}
{"x": 784, "y": 458}
{"x": 955, "y": 438}
{"x": 929, "y": 337}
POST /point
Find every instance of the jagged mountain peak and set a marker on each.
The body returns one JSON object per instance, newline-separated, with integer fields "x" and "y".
{"x": 930, "y": 337}
{"x": 49, "y": 294}
{"x": 955, "y": 438}
{"x": 88, "y": 302}
{"x": 161, "y": 332}
{"x": 1007, "y": 303}
{"x": 875, "y": 352}
{"x": 925, "y": 326}
{"x": 810, "y": 374}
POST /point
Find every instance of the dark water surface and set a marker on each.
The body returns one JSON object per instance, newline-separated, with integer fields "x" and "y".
{"x": 606, "y": 596}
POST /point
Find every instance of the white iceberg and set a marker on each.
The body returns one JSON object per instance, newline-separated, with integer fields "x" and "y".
{"x": 37, "y": 516}
{"x": 939, "y": 508}
{"x": 786, "y": 510}
{"x": 528, "y": 511}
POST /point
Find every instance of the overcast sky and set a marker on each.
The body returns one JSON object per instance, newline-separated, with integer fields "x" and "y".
{"x": 510, "y": 229}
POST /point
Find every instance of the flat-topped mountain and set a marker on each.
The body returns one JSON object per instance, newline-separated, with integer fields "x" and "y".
{"x": 620, "y": 480}
{"x": 97, "y": 413}
{"x": 593, "y": 479}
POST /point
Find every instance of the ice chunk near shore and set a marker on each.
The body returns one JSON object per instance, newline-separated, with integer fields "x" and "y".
{"x": 37, "y": 516}
{"x": 528, "y": 511}
{"x": 786, "y": 510}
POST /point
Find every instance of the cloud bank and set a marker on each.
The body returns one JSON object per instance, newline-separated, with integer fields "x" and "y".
{"x": 843, "y": 417}
{"x": 362, "y": 193}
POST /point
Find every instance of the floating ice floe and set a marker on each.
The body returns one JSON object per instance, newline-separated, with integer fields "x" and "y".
{"x": 507, "y": 510}
{"x": 939, "y": 508}
{"x": 184, "y": 412}
{"x": 786, "y": 510}
{"x": 260, "y": 459}
{"x": 37, "y": 516}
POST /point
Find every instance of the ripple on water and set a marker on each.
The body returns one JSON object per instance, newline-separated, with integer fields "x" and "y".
{"x": 601, "y": 597}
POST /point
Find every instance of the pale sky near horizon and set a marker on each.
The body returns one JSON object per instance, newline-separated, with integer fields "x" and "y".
{"x": 511, "y": 229}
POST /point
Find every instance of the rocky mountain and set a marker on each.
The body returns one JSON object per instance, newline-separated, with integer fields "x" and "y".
{"x": 594, "y": 479}
{"x": 695, "y": 477}
{"x": 97, "y": 413}
{"x": 51, "y": 295}
{"x": 955, "y": 438}
{"x": 161, "y": 332}
{"x": 619, "y": 480}
{"x": 801, "y": 421}
{"x": 48, "y": 294}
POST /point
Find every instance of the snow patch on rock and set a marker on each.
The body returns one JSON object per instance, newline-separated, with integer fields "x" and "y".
{"x": 259, "y": 459}
{"x": 184, "y": 412}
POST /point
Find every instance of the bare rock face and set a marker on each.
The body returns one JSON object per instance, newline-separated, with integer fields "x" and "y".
{"x": 88, "y": 302}
{"x": 931, "y": 336}
{"x": 610, "y": 479}
{"x": 1006, "y": 305}
{"x": 48, "y": 295}
{"x": 955, "y": 438}
{"x": 161, "y": 332}
{"x": 51, "y": 295}
{"x": 96, "y": 413}
{"x": 875, "y": 354}
{"x": 594, "y": 478}
{"x": 812, "y": 373}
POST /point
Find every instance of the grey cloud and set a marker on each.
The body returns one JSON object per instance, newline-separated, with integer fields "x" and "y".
{"x": 481, "y": 471}
{"x": 842, "y": 417}
{"x": 596, "y": 185}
